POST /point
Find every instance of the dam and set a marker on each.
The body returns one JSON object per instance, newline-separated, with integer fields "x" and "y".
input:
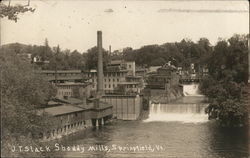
{"x": 177, "y": 129}
{"x": 190, "y": 108}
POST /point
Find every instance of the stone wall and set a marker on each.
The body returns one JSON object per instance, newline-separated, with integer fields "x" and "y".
{"x": 165, "y": 96}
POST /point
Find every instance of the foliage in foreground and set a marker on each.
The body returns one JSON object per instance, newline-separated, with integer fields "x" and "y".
{"x": 22, "y": 92}
{"x": 11, "y": 12}
{"x": 226, "y": 81}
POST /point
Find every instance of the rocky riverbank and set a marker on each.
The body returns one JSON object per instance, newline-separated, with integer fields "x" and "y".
{"x": 167, "y": 96}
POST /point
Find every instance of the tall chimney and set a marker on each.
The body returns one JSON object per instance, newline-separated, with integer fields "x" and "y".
{"x": 248, "y": 58}
{"x": 110, "y": 49}
{"x": 100, "y": 65}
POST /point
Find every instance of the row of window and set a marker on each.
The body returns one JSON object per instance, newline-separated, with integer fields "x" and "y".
{"x": 63, "y": 74}
{"x": 63, "y": 93}
{"x": 65, "y": 87}
{"x": 108, "y": 74}
{"x": 109, "y": 80}
{"x": 107, "y": 86}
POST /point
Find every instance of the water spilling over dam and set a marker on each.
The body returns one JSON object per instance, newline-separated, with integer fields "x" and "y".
{"x": 181, "y": 112}
{"x": 191, "y": 90}
{"x": 189, "y": 109}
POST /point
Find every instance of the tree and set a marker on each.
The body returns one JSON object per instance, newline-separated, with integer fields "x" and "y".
{"x": 92, "y": 58}
{"x": 128, "y": 54}
{"x": 22, "y": 93}
{"x": 76, "y": 60}
{"x": 158, "y": 62}
{"x": 228, "y": 73}
{"x": 11, "y": 12}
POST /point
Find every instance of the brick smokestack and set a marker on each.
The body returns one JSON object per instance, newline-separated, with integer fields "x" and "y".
{"x": 248, "y": 58}
{"x": 100, "y": 64}
{"x": 110, "y": 49}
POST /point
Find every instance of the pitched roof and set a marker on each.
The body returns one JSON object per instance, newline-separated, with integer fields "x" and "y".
{"x": 60, "y": 110}
{"x": 70, "y": 100}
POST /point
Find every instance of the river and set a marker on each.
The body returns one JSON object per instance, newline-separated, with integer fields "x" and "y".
{"x": 176, "y": 130}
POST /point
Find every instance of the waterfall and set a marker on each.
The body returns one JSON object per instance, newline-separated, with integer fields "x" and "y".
{"x": 191, "y": 90}
{"x": 189, "y": 109}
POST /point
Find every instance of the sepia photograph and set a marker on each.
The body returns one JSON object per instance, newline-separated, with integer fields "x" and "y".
{"x": 125, "y": 78}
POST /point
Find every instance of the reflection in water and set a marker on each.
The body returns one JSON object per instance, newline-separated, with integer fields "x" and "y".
{"x": 229, "y": 142}
{"x": 205, "y": 139}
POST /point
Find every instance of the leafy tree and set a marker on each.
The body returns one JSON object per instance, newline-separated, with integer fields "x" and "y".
{"x": 11, "y": 12}
{"x": 224, "y": 86}
{"x": 76, "y": 60}
{"x": 128, "y": 54}
{"x": 92, "y": 58}
{"x": 22, "y": 93}
{"x": 158, "y": 62}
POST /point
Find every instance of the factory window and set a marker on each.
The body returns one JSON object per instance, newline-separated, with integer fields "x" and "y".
{"x": 109, "y": 86}
{"x": 113, "y": 85}
{"x": 109, "y": 79}
{"x": 117, "y": 79}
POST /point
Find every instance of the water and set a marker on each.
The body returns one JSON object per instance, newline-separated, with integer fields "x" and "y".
{"x": 177, "y": 130}
{"x": 191, "y": 90}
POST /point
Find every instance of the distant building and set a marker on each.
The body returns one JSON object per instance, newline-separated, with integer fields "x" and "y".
{"x": 61, "y": 76}
{"x": 205, "y": 71}
{"x": 38, "y": 60}
{"x": 72, "y": 89}
{"x": 70, "y": 118}
{"x": 129, "y": 87}
{"x": 25, "y": 56}
{"x": 110, "y": 80}
{"x": 115, "y": 65}
{"x": 163, "y": 78}
{"x": 179, "y": 70}
{"x": 141, "y": 72}
{"x": 153, "y": 68}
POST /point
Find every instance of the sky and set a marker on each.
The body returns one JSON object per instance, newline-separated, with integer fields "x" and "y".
{"x": 73, "y": 24}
